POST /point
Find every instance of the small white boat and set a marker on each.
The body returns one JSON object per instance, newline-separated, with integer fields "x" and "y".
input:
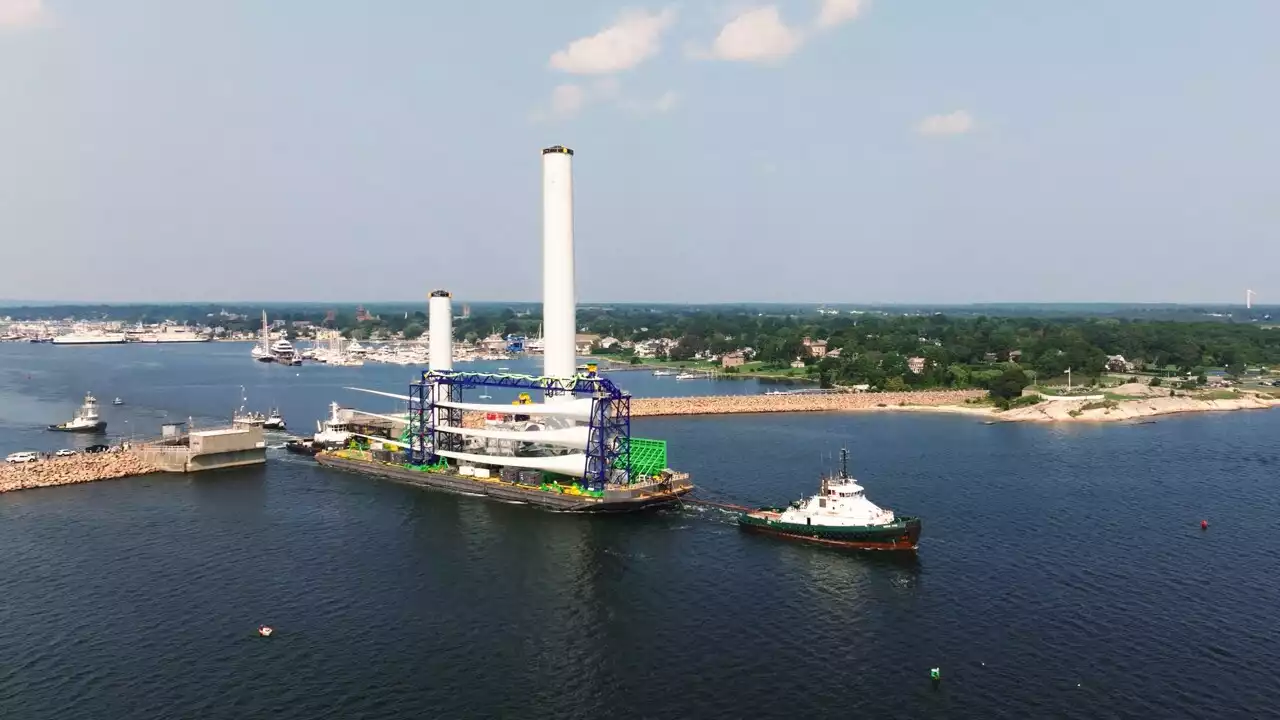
{"x": 265, "y": 630}
{"x": 274, "y": 421}
{"x": 662, "y": 373}
{"x": 117, "y": 401}
{"x": 687, "y": 376}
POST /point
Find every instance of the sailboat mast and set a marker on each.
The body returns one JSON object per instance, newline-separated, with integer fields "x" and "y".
{"x": 844, "y": 463}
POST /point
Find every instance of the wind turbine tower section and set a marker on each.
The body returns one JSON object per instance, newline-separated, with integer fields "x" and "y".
{"x": 558, "y": 302}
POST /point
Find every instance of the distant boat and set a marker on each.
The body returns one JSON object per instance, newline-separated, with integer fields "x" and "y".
{"x": 687, "y": 376}
{"x": 91, "y": 339}
{"x": 274, "y": 421}
{"x": 117, "y": 401}
{"x": 243, "y": 417}
{"x": 662, "y": 373}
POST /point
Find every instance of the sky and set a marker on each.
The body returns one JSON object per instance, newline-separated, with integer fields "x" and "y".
{"x": 834, "y": 151}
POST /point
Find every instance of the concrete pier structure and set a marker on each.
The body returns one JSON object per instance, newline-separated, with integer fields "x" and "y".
{"x": 212, "y": 449}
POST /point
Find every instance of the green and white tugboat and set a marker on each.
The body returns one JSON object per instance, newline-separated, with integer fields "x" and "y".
{"x": 840, "y": 514}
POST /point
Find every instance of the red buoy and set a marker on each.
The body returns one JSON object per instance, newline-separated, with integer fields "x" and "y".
{"x": 1204, "y": 524}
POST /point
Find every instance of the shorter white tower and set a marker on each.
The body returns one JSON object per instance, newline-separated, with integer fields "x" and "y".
{"x": 440, "y": 330}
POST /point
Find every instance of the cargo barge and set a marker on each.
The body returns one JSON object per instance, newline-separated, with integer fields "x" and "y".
{"x": 665, "y": 490}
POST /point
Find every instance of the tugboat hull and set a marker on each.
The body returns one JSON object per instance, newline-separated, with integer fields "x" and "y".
{"x": 903, "y": 534}
{"x": 94, "y": 428}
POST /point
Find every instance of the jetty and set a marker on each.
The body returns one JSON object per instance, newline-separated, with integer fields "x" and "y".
{"x": 82, "y": 468}
{"x": 174, "y": 452}
{"x": 797, "y": 402}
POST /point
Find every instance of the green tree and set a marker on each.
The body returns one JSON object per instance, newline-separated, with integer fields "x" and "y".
{"x": 1008, "y": 385}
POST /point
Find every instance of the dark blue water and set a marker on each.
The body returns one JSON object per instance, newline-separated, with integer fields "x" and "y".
{"x": 1062, "y": 573}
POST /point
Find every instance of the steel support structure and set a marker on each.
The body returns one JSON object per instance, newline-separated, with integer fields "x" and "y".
{"x": 609, "y": 428}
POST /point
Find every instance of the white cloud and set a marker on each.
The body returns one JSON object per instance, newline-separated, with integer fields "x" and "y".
{"x": 838, "y": 12}
{"x": 664, "y": 103}
{"x": 955, "y": 123}
{"x": 754, "y": 36}
{"x": 667, "y": 102}
{"x": 21, "y": 13}
{"x": 568, "y": 100}
{"x": 634, "y": 38}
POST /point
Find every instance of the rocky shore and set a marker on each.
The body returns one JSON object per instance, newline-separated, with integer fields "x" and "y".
{"x": 72, "y": 470}
{"x": 829, "y": 402}
{"x": 1133, "y": 409}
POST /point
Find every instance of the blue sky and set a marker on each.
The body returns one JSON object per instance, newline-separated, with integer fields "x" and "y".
{"x": 808, "y": 150}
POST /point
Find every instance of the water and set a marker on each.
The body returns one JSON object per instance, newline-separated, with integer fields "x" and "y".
{"x": 1062, "y": 572}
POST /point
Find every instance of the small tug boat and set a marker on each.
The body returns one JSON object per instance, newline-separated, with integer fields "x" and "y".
{"x": 117, "y": 401}
{"x": 274, "y": 421}
{"x": 840, "y": 514}
{"x": 86, "y": 419}
{"x": 302, "y": 446}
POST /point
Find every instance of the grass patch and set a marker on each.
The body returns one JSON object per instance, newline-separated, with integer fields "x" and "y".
{"x": 1099, "y": 405}
{"x": 1217, "y": 395}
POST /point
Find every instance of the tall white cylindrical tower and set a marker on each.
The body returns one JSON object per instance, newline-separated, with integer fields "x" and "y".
{"x": 440, "y": 330}
{"x": 559, "y": 324}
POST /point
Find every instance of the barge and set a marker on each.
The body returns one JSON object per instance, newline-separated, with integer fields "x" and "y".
{"x": 664, "y": 490}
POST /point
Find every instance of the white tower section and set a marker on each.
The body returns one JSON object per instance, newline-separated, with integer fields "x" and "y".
{"x": 440, "y": 337}
{"x": 558, "y": 303}
{"x": 440, "y": 330}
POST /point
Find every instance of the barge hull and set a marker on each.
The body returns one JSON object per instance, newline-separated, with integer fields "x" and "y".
{"x": 503, "y": 491}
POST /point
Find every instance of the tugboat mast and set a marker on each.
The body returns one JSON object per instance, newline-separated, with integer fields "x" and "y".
{"x": 844, "y": 463}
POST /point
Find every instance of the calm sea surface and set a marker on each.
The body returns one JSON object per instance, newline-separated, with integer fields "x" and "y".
{"x": 1062, "y": 571}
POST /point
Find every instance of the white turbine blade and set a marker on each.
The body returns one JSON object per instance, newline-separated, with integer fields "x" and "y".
{"x": 384, "y": 441}
{"x": 405, "y": 397}
{"x": 574, "y": 437}
{"x": 573, "y": 465}
{"x": 392, "y": 418}
{"x": 575, "y": 409}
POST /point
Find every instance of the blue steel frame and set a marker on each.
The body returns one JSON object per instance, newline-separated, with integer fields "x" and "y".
{"x": 609, "y": 431}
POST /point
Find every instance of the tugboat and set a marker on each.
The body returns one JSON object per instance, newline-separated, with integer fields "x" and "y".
{"x": 117, "y": 402}
{"x": 274, "y": 421}
{"x": 302, "y": 446}
{"x": 86, "y": 419}
{"x": 840, "y": 514}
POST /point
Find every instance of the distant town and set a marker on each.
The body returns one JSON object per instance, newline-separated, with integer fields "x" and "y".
{"x": 873, "y": 349}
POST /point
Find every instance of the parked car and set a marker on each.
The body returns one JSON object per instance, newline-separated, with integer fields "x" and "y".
{"x": 96, "y": 448}
{"x": 65, "y": 452}
{"x": 23, "y": 457}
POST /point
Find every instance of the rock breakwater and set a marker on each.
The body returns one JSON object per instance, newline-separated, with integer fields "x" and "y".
{"x": 824, "y": 402}
{"x": 72, "y": 470}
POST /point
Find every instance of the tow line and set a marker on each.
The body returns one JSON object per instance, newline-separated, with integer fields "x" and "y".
{"x": 712, "y": 503}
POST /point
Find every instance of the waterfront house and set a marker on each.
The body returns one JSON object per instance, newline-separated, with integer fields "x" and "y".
{"x": 733, "y": 359}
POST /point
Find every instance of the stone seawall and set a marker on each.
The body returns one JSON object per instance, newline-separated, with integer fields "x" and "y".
{"x": 827, "y": 402}
{"x": 72, "y": 470}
